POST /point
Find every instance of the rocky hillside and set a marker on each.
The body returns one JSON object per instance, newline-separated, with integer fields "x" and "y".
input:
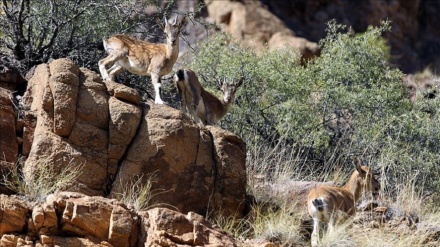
{"x": 414, "y": 38}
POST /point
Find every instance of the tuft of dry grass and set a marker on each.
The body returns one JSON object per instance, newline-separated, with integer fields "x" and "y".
{"x": 281, "y": 226}
{"x": 44, "y": 180}
{"x": 138, "y": 193}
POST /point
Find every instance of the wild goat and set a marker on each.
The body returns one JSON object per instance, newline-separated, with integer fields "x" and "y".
{"x": 202, "y": 105}
{"x": 332, "y": 205}
{"x": 141, "y": 57}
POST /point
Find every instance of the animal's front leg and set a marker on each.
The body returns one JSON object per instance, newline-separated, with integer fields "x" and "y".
{"x": 157, "y": 88}
{"x": 104, "y": 63}
{"x": 102, "y": 69}
{"x": 114, "y": 70}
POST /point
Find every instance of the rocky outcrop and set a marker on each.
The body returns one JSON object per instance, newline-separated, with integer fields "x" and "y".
{"x": 255, "y": 26}
{"x": 193, "y": 168}
{"x": 62, "y": 136}
{"x": 13, "y": 214}
{"x": 414, "y": 36}
{"x": 69, "y": 119}
{"x": 74, "y": 219}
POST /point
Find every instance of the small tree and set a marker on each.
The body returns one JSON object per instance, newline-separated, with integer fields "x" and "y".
{"x": 33, "y": 32}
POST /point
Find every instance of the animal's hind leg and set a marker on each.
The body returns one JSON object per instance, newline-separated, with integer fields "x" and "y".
{"x": 182, "y": 93}
{"x": 316, "y": 232}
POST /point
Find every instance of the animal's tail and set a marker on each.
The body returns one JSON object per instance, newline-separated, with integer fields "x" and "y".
{"x": 319, "y": 204}
{"x": 180, "y": 75}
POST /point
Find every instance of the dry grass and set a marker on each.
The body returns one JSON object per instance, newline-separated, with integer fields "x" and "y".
{"x": 138, "y": 193}
{"x": 277, "y": 218}
{"x": 281, "y": 226}
{"x": 44, "y": 180}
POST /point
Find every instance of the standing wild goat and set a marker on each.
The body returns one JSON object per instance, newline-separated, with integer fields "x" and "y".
{"x": 332, "y": 205}
{"x": 141, "y": 57}
{"x": 202, "y": 105}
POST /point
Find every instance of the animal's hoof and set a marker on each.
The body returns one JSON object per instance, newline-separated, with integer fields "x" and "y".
{"x": 158, "y": 101}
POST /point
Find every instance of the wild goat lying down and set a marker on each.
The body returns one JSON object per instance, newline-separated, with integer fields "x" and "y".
{"x": 202, "y": 105}
{"x": 141, "y": 57}
{"x": 332, "y": 205}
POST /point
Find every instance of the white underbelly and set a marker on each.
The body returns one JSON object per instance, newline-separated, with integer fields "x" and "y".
{"x": 134, "y": 67}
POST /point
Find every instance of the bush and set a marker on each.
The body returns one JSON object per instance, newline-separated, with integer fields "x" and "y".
{"x": 347, "y": 102}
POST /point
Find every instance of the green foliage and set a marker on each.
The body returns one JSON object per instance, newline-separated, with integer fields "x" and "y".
{"x": 346, "y": 102}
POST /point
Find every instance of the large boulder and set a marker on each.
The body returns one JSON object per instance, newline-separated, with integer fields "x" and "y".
{"x": 192, "y": 168}
{"x": 64, "y": 136}
{"x": 102, "y": 132}
{"x": 166, "y": 227}
{"x": 13, "y": 212}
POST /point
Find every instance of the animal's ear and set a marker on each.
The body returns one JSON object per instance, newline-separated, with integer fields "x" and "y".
{"x": 165, "y": 21}
{"x": 174, "y": 21}
{"x": 240, "y": 82}
{"x": 182, "y": 22}
{"x": 220, "y": 83}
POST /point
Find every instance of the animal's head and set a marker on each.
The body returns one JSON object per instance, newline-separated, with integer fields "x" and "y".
{"x": 172, "y": 29}
{"x": 368, "y": 179}
{"x": 229, "y": 89}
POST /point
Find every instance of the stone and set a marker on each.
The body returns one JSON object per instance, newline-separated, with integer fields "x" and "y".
{"x": 123, "y": 92}
{"x": 171, "y": 228}
{"x": 8, "y": 138}
{"x": 13, "y": 212}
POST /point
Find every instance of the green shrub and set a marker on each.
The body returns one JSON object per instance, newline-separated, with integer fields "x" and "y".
{"x": 347, "y": 102}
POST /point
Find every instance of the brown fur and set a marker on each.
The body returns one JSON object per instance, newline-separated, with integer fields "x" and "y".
{"x": 141, "y": 57}
{"x": 206, "y": 108}
{"x": 332, "y": 205}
